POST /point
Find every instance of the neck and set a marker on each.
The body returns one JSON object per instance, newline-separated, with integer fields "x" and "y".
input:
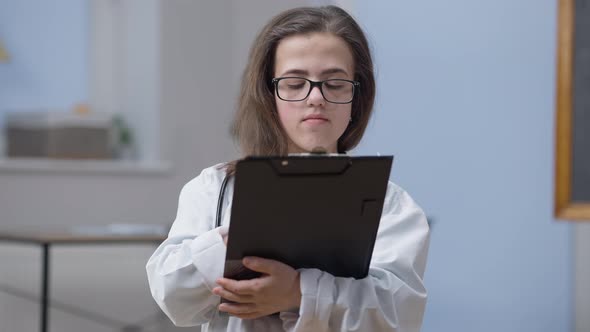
{"x": 318, "y": 149}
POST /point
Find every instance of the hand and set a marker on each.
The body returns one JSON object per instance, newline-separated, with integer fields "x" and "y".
{"x": 275, "y": 291}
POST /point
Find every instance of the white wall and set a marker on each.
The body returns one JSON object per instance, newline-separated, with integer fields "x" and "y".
{"x": 582, "y": 276}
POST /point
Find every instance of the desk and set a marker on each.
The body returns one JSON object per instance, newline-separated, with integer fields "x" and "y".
{"x": 47, "y": 238}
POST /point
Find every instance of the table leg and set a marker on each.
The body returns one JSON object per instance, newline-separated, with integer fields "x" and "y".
{"x": 45, "y": 288}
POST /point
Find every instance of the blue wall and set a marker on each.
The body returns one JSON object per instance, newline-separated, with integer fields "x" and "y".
{"x": 48, "y": 44}
{"x": 466, "y": 104}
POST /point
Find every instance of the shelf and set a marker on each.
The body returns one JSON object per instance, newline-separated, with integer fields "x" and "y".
{"x": 116, "y": 167}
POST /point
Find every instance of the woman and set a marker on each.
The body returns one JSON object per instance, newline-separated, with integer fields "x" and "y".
{"x": 308, "y": 85}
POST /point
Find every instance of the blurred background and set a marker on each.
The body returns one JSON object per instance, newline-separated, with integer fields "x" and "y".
{"x": 466, "y": 103}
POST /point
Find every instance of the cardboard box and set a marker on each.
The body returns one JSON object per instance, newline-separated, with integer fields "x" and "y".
{"x": 60, "y": 135}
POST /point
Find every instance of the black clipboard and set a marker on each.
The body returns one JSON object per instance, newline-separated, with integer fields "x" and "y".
{"x": 313, "y": 211}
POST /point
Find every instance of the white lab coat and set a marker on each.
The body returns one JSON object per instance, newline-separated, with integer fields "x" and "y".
{"x": 183, "y": 270}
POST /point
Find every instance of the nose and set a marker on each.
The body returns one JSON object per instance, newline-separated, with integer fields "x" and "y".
{"x": 315, "y": 97}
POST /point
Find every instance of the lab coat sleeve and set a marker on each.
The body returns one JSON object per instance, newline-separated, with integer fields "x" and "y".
{"x": 182, "y": 271}
{"x": 391, "y": 298}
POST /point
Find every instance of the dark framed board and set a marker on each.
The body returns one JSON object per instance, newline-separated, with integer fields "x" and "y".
{"x": 572, "y": 162}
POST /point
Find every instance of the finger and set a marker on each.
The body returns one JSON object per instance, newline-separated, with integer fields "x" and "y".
{"x": 238, "y": 308}
{"x": 240, "y": 287}
{"x": 263, "y": 265}
{"x": 226, "y": 294}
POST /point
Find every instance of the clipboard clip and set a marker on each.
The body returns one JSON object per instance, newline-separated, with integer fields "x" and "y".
{"x": 312, "y": 164}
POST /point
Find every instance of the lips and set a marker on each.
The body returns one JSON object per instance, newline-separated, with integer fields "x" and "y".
{"x": 315, "y": 118}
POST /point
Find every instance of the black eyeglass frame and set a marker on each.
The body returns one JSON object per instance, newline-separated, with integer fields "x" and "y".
{"x": 355, "y": 84}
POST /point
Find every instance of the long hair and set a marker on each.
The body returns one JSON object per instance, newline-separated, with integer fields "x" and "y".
{"x": 256, "y": 126}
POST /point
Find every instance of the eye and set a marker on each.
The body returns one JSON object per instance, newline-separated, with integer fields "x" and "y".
{"x": 295, "y": 86}
{"x": 335, "y": 84}
{"x": 292, "y": 84}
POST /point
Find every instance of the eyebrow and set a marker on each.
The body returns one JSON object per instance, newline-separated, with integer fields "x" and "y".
{"x": 329, "y": 71}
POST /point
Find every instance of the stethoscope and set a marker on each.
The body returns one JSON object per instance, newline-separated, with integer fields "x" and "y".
{"x": 220, "y": 201}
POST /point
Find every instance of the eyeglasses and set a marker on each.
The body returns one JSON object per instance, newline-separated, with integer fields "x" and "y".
{"x": 336, "y": 91}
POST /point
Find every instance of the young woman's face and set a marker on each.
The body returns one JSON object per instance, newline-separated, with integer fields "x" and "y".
{"x": 313, "y": 122}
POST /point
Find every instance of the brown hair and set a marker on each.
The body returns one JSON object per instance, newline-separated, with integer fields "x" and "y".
{"x": 256, "y": 126}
